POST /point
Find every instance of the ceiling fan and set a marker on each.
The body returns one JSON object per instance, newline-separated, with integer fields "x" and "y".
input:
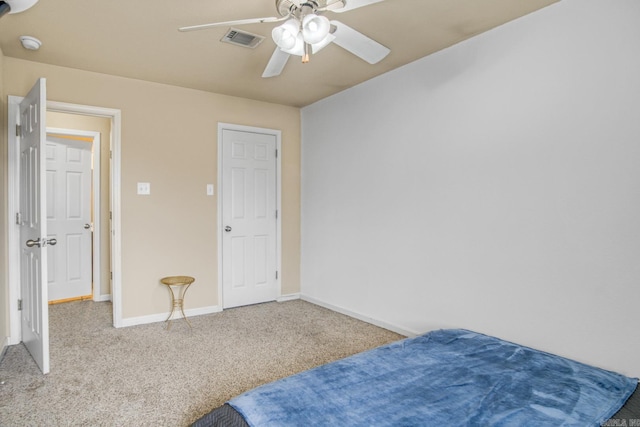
{"x": 306, "y": 30}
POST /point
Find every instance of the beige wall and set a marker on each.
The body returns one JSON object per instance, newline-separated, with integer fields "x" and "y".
{"x": 169, "y": 139}
{"x": 103, "y": 126}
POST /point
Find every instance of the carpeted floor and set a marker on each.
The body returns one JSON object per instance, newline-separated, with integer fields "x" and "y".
{"x": 147, "y": 375}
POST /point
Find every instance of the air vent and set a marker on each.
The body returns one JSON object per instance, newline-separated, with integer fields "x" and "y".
{"x": 242, "y": 38}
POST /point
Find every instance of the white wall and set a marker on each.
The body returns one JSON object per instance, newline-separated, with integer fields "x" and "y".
{"x": 493, "y": 186}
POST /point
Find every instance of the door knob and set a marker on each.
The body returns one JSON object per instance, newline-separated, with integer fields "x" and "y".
{"x": 41, "y": 243}
{"x": 87, "y": 226}
{"x": 227, "y": 229}
{"x": 31, "y": 243}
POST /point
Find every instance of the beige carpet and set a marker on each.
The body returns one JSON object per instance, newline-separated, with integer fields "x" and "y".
{"x": 147, "y": 375}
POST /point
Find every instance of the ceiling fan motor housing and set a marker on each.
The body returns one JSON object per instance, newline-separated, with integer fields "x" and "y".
{"x": 292, "y": 7}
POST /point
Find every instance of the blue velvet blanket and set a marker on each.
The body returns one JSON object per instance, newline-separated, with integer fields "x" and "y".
{"x": 442, "y": 378}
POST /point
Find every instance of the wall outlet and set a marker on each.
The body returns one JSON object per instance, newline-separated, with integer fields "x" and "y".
{"x": 144, "y": 188}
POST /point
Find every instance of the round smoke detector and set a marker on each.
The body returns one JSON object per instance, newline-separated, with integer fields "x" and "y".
{"x": 30, "y": 43}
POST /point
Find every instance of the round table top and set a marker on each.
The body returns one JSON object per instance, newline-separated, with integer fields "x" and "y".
{"x": 177, "y": 280}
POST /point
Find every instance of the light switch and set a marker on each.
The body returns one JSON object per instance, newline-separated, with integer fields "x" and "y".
{"x": 144, "y": 188}
{"x": 209, "y": 189}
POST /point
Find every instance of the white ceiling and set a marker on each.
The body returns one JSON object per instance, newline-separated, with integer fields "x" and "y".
{"x": 139, "y": 39}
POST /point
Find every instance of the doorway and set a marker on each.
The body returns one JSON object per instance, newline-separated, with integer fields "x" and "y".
{"x": 73, "y": 210}
{"x": 110, "y": 258}
{"x": 96, "y": 127}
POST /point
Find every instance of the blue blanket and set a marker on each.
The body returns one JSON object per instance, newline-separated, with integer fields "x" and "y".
{"x": 442, "y": 378}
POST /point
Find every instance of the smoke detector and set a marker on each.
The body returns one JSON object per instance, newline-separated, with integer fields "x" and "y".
{"x": 30, "y": 43}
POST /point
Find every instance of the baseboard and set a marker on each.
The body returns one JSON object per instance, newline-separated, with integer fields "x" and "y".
{"x": 161, "y": 317}
{"x": 288, "y": 297}
{"x": 102, "y": 298}
{"x": 356, "y": 315}
{"x": 5, "y": 346}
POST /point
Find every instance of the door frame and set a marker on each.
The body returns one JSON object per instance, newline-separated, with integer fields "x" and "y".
{"x": 278, "y": 135}
{"x": 96, "y": 266}
{"x": 13, "y": 235}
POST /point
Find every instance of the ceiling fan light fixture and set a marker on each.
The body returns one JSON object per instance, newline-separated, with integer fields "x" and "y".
{"x": 315, "y": 28}
{"x": 285, "y": 35}
{"x": 298, "y": 47}
{"x": 18, "y": 6}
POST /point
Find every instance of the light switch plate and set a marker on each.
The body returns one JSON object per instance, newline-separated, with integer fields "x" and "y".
{"x": 144, "y": 188}
{"x": 209, "y": 189}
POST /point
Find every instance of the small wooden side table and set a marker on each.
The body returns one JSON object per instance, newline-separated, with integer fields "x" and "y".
{"x": 177, "y": 286}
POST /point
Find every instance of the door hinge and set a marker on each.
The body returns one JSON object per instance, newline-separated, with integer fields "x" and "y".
{"x": 18, "y": 218}
{"x": 111, "y": 275}
{"x": 19, "y": 305}
{"x": 276, "y": 275}
{"x": 276, "y": 214}
{"x": 276, "y": 153}
{"x": 18, "y": 130}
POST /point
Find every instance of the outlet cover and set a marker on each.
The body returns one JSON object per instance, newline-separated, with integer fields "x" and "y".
{"x": 144, "y": 188}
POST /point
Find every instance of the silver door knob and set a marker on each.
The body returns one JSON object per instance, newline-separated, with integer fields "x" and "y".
{"x": 41, "y": 243}
{"x": 227, "y": 229}
{"x": 87, "y": 226}
{"x": 31, "y": 243}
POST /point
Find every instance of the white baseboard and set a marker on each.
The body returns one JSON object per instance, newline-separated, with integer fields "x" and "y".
{"x": 161, "y": 317}
{"x": 355, "y": 315}
{"x": 13, "y": 340}
{"x": 102, "y": 298}
{"x": 288, "y": 297}
{"x": 5, "y": 345}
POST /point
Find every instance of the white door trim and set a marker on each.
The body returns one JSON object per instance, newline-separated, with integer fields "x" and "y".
{"x": 15, "y": 333}
{"x": 97, "y": 229}
{"x": 13, "y": 231}
{"x": 278, "y": 135}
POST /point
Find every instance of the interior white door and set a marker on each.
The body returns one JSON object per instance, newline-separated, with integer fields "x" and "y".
{"x": 69, "y": 217}
{"x": 33, "y": 226}
{"x": 248, "y": 218}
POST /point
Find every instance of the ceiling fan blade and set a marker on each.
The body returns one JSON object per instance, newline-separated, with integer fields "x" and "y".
{"x": 276, "y": 63}
{"x": 232, "y": 23}
{"x": 359, "y": 44}
{"x": 353, "y": 4}
{"x": 334, "y": 4}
